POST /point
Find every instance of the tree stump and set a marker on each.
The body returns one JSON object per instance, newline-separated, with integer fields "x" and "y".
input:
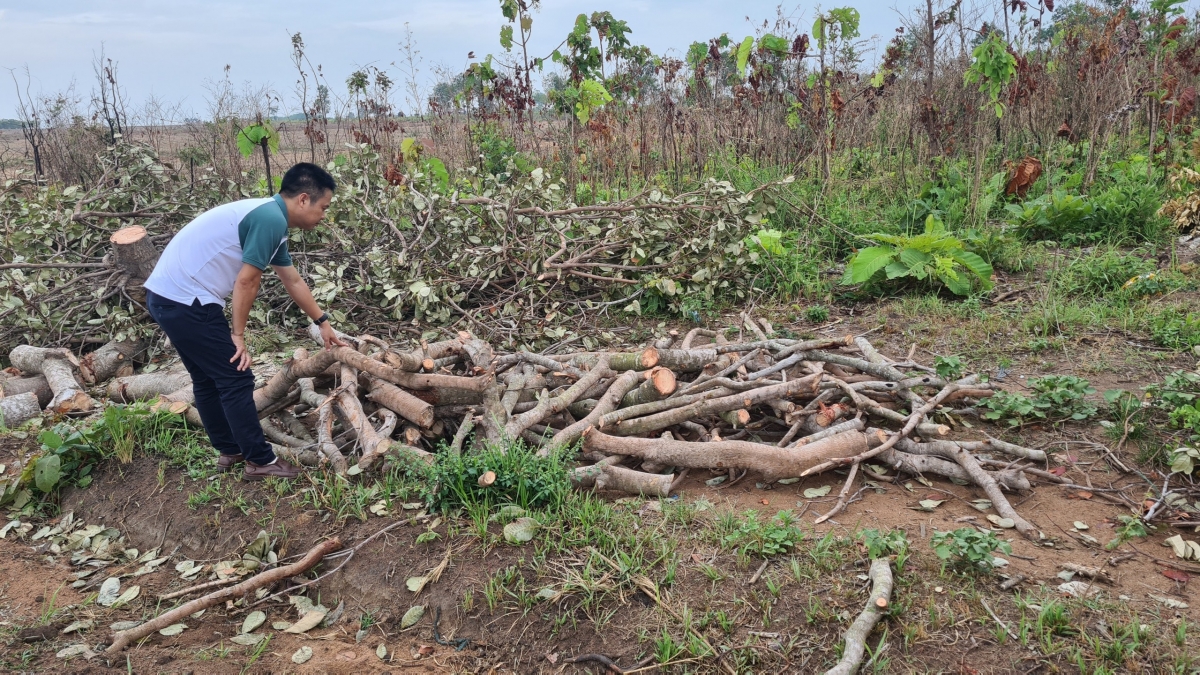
{"x": 133, "y": 252}
{"x": 115, "y": 359}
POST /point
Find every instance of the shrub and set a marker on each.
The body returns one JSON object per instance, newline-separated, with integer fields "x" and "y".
{"x": 1053, "y": 217}
{"x": 968, "y": 549}
{"x": 1056, "y": 398}
{"x": 935, "y": 256}
{"x": 1175, "y": 328}
{"x": 776, "y": 536}
{"x": 1104, "y": 272}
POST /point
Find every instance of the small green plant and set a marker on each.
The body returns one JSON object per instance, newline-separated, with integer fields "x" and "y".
{"x": 948, "y": 367}
{"x": 968, "y": 549}
{"x": 1101, "y": 274}
{"x": 934, "y": 256}
{"x": 1184, "y": 460}
{"x": 881, "y": 545}
{"x": 816, "y": 314}
{"x": 261, "y": 135}
{"x": 753, "y": 537}
{"x": 1054, "y": 217}
{"x": 1175, "y": 328}
{"x": 1131, "y": 527}
{"x": 1057, "y": 398}
{"x": 992, "y": 68}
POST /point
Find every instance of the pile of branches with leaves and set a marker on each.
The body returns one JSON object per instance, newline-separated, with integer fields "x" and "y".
{"x": 511, "y": 254}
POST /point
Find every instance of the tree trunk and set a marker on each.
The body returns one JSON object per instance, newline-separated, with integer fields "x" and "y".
{"x": 18, "y": 409}
{"x": 60, "y": 369}
{"x": 772, "y": 462}
{"x": 115, "y": 359}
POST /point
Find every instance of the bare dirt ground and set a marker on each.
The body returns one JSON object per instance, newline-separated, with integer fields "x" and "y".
{"x": 788, "y": 616}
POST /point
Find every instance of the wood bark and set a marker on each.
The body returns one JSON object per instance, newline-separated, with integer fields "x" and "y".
{"x": 585, "y": 476}
{"x": 36, "y": 385}
{"x": 747, "y": 399}
{"x": 916, "y": 464}
{"x": 685, "y": 360}
{"x": 147, "y": 385}
{"x": 400, "y": 402}
{"x": 620, "y": 479}
{"x": 115, "y": 359}
{"x": 123, "y": 639}
{"x": 856, "y": 636}
{"x": 552, "y": 405}
{"x": 772, "y": 462}
{"x": 301, "y": 365}
{"x": 18, "y": 409}
{"x": 607, "y": 403}
{"x": 617, "y": 361}
{"x": 374, "y": 445}
{"x": 60, "y": 369}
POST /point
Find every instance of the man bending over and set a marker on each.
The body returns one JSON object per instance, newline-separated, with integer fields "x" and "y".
{"x": 224, "y": 252}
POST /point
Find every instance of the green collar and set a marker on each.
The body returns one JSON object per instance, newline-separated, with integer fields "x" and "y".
{"x": 282, "y": 206}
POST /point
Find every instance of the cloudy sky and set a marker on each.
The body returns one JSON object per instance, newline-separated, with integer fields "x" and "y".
{"x": 169, "y": 48}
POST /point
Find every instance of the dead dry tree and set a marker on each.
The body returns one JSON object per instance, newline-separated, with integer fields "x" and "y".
{"x": 777, "y": 407}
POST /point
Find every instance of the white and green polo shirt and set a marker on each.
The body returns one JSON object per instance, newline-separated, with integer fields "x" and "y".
{"x": 202, "y": 261}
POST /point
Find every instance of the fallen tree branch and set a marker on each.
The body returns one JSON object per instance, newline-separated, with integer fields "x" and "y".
{"x": 856, "y": 635}
{"x": 124, "y": 638}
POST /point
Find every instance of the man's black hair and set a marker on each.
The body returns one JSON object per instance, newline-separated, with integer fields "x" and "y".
{"x": 307, "y": 178}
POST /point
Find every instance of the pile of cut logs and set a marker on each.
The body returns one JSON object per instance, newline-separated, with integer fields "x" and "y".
{"x": 778, "y": 408}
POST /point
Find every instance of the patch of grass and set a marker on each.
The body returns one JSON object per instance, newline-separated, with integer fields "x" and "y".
{"x": 522, "y": 478}
{"x": 754, "y": 537}
{"x": 1103, "y": 273}
{"x": 1175, "y": 328}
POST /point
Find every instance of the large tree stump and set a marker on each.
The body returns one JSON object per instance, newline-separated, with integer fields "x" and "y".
{"x": 60, "y": 369}
{"x": 133, "y": 252}
{"x": 115, "y": 359}
{"x": 16, "y": 410}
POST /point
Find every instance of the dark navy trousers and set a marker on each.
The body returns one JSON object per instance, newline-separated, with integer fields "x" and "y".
{"x": 224, "y": 395}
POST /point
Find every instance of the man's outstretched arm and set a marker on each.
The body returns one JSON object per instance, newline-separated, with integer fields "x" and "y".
{"x": 298, "y": 290}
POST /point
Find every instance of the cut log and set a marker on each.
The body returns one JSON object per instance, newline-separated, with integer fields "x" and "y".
{"x": 133, "y": 252}
{"x": 628, "y": 481}
{"x": 617, "y": 361}
{"x": 301, "y": 365}
{"x": 585, "y": 476}
{"x": 36, "y": 385}
{"x": 660, "y": 383}
{"x": 18, "y": 409}
{"x": 736, "y": 418}
{"x": 115, "y": 359}
{"x": 374, "y": 445}
{"x": 685, "y": 360}
{"x": 400, "y": 402}
{"x": 772, "y": 462}
{"x": 60, "y": 369}
{"x": 147, "y": 385}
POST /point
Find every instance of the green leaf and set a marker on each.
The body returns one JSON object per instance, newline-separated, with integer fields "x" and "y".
{"x": 47, "y": 472}
{"x": 743, "y": 54}
{"x": 977, "y": 265}
{"x": 867, "y": 262}
{"x": 506, "y": 37}
{"x": 1182, "y": 463}
{"x": 437, "y": 169}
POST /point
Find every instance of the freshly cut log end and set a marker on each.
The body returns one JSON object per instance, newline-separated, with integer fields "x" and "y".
{"x": 133, "y": 252}
{"x": 486, "y": 478}
{"x": 736, "y": 418}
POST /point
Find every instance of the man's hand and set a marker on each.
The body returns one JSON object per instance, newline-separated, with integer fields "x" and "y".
{"x": 329, "y": 336}
{"x": 241, "y": 357}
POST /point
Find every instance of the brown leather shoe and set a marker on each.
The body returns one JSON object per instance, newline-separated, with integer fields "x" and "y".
{"x": 226, "y": 463}
{"x": 280, "y": 469}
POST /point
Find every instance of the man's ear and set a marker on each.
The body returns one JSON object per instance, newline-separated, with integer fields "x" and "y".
{"x": 303, "y": 200}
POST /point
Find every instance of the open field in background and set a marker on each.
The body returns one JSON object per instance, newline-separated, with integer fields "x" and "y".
{"x": 1012, "y": 192}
